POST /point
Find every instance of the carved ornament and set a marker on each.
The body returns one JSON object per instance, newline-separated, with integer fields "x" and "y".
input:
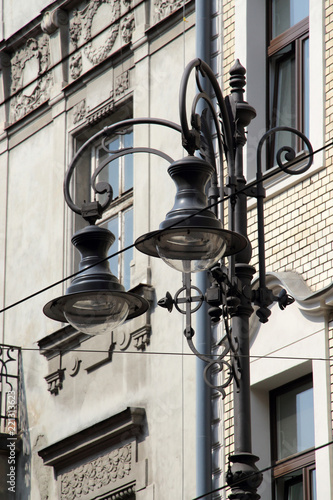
{"x": 30, "y": 79}
{"x": 127, "y": 28}
{"x": 52, "y": 20}
{"x": 97, "y": 474}
{"x": 83, "y": 31}
{"x": 163, "y": 8}
{"x": 54, "y": 381}
{"x": 79, "y": 111}
{"x": 122, "y": 83}
{"x": 75, "y": 66}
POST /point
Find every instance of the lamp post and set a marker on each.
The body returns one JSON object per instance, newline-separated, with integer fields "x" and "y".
{"x": 192, "y": 238}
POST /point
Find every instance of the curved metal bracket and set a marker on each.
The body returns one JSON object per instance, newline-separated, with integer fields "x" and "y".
{"x": 263, "y": 296}
{"x": 101, "y": 188}
{"x": 230, "y": 369}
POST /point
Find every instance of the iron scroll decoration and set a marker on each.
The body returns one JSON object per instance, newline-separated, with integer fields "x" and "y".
{"x": 199, "y": 138}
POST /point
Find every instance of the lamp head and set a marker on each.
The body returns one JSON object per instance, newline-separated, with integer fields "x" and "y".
{"x": 191, "y": 238}
{"x": 95, "y": 302}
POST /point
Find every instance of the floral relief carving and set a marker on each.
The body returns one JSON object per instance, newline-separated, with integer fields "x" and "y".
{"x": 88, "y": 27}
{"x": 75, "y": 66}
{"x": 30, "y": 78}
{"x": 127, "y": 28}
{"x": 162, "y": 8}
{"x": 122, "y": 83}
{"x": 97, "y": 474}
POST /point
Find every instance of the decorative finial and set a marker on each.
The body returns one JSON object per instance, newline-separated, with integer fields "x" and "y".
{"x": 237, "y": 77}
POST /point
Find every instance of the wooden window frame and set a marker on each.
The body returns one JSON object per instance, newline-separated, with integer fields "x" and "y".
{"x": 303, "y": 461}
{"x": 295, "y": 35}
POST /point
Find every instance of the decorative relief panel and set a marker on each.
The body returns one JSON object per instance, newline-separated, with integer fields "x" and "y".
{"x": 31, "y": 80}
{"x": 97, "y": 474}
{"x": 122, "y": 83}
{"x": 163, "y": 8}
{"x": 95, "y": 31}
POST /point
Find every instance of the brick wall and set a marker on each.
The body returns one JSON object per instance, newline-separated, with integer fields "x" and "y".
{"x": 228, "y": 54}
{"x": 299, "y": 220}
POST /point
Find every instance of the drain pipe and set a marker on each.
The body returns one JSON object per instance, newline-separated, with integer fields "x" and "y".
{"x": 203, "y": 327}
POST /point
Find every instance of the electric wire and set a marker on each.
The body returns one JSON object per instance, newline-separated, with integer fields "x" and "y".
{"x": 166, "y": 353}
{"x": 250, "y": 185}
{"x": 265, "y": 469}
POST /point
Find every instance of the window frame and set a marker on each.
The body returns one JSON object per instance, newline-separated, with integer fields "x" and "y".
{"x": 81, "y": 183}
{"x": 301, "y": 461}
{"x": 123, "y": 203}
{"x": 295, "y": 35}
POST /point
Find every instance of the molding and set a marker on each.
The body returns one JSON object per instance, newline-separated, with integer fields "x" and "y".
{"x": 59, "y": 346}
{"x": 31, "y": 80}
{"x": 164, "y": 8}
{"x": 52, "y": 20}
{"x": 315, "y": 304}
{"x": 54, "y": 381}
{"x": 92, "y": 477}
{"x": 95, "y": 439}
{"x": 79, "y": 111}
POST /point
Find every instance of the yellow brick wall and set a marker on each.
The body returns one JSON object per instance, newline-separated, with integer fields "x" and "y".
{"x": 329, "y": 155}
{"x": 228, "y": 45}
{"x": 298, "y": 221}
{"x": 298, "y": 230}
{"x": 228, "y": 55}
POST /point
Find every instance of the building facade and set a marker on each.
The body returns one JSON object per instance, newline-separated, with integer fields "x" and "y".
{"x": 114, "y": 415}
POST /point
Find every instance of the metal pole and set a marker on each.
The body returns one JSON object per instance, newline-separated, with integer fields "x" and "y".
{"x": 203, "y": 328}
{"x": 241, "y": 476}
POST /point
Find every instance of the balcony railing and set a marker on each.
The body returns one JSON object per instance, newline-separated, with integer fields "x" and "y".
{"x": 10, "y": 357}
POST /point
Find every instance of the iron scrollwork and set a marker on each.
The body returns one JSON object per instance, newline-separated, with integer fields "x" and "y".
{"x": 263, "y": 297}
{"x": 229, "y": 117}
{"x": 228, "y": 368}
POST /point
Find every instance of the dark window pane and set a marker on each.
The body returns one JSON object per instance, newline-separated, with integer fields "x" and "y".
{"x": 306, "y": 90}
{"x": 128, "y": 240}
{"x": 128, "y": 163}
{"x": 313, "y": 484}
{"x": 284, "y": 98}
{"x": 290, "y": 487}
{"x": 284, "y": 92}
{"x": 294, "y": 421}
{"x": 110, "y": 173}
{"x": 287, "y": 13}
{"x": 113, "y": 226}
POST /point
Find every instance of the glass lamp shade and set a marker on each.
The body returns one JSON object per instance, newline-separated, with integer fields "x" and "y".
{"x": 191, "y": 238}
{"x": 97, "y": 313}
{"x": 191, "y": 250}
{"x": 95, "y": 302}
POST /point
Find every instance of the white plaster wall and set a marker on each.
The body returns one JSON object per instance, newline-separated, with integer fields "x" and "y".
{"x": 285, "y": 347}
{"x": 15, "y": 17}
{"x": 161, "y": 380}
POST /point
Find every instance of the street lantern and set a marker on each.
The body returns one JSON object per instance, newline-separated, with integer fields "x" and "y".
{"x": 192, "y": 238}
{"x": 95, "y": 302}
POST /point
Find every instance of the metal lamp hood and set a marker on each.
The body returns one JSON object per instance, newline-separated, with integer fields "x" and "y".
{"x": 191, "y": 238}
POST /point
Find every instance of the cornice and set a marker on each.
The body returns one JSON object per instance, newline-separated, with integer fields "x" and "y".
{"x": 319, "y": 303}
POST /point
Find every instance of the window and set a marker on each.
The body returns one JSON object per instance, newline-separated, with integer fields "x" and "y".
{"x": 119, "y": 217}
{"x": 288, "y": 63}
{"x": 292, "y": 424}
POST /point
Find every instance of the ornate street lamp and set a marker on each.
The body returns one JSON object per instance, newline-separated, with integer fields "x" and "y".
{"x": 192, "y": 238}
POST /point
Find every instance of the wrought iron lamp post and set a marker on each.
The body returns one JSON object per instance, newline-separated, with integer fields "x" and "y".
{"x": 192, "y": 238}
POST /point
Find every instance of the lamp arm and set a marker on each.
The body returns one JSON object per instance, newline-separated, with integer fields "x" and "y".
{"x": 104, "y": 187}
{"x": 263, "y": 296}
{"x": 191, "y": 139}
